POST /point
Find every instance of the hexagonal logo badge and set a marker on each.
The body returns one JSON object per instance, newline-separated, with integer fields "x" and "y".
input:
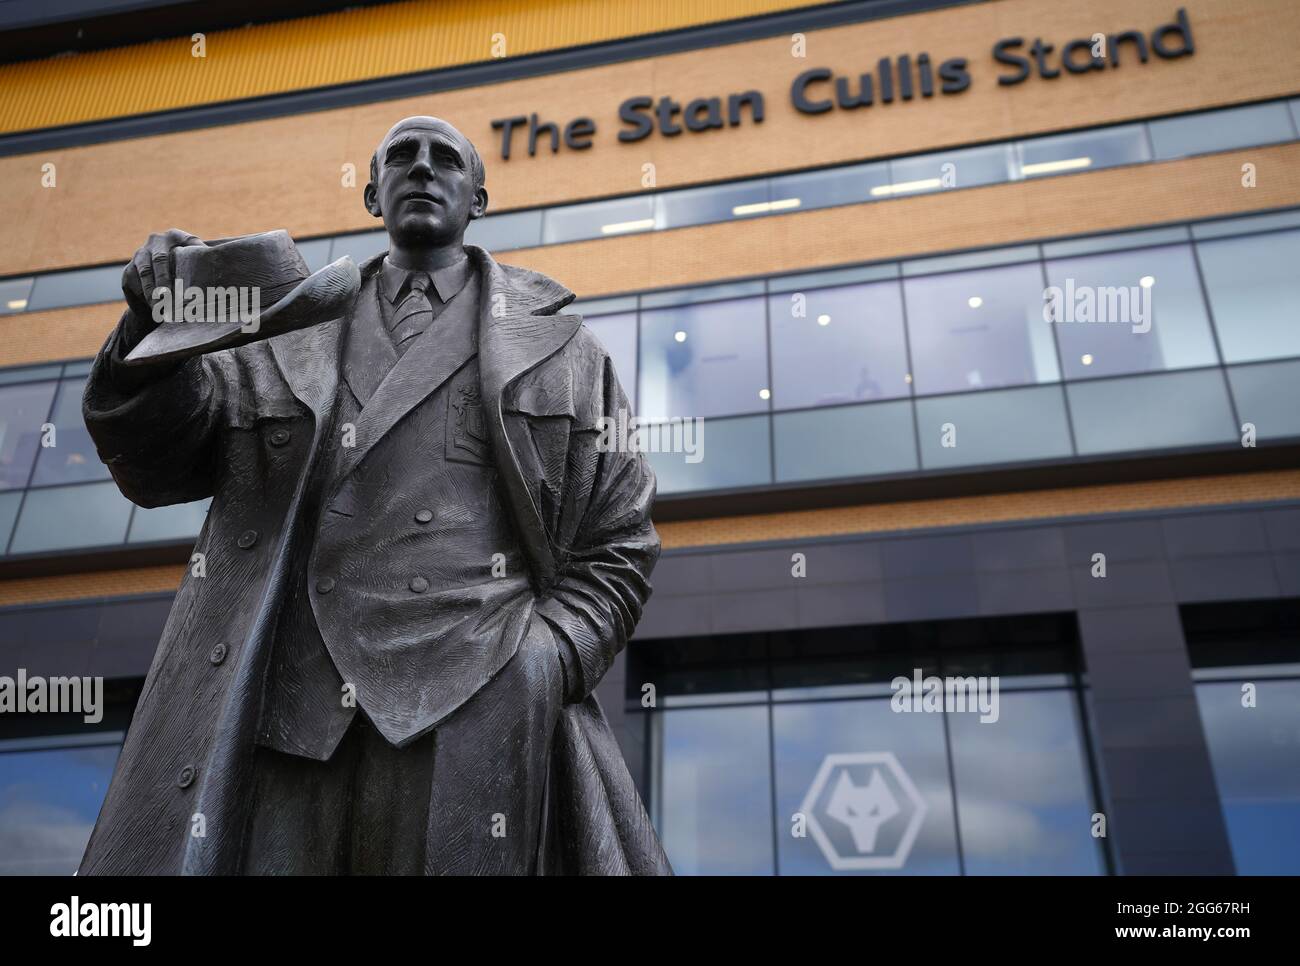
{"x": 863, "y": 811}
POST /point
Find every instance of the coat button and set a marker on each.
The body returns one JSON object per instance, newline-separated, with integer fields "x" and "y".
{"x": 324, "y": 585}
{"x": 419, "y": 585}
{"x": 247, "y": 539}
{"x": 186, "y": 778}
{"x": 280, "y": 437}
{"x": 423, "y": 516}
{"x": 218, "y": 654}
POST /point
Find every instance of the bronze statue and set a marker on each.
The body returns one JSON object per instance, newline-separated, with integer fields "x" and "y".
{"x": 417, "y": 565}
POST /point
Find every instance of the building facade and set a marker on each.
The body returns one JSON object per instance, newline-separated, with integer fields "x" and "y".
{"x": 963, "y": 338}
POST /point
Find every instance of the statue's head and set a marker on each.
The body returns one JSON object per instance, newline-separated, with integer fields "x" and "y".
{"x": 426, "y": 182}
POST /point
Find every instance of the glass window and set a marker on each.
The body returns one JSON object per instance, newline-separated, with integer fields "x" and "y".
{"x": 499, "y": 233}
{"x": 1254, "y": 291}
{"x": 1083, "y": 151}
{"x": 1255, "y": 753}
{"x": 49, "y": 800}
{"x": 1267, "y": 395}
{"x": 1118, "y": 241}
{"x": 1132, "y": 311}
{"x": 9, "y": 504}
{"x": 704, "y": 360}
{"x": 316, "y": 253}
{"x": 84, "y": 286}
{"x": 617, "y": 333}
{"x": 844, "y": 441}
{"x": 1248, "y": 225}
{"x": 1294, "y": 105}
{"x": 805, "y": 735}
{"x": 1006, "y": 426}
{"x": 950, "y": 169}
{"x": 723, "y": 202}
{"x": 24, "y": 408}
{"x": 64, "y": 517}
{"x": 599, "y": 219}
{"x": 14, "y": 294}
{"x": 981, "y": 259}
{"x": 709, "y": 454}
{"x": 1023, "y": 791}
{"x": 1151, "y": 412}
{"x": 361, "y": 247}
{"x": 180, "y": 522}
{"x": 837, "y": 345}
{"x": 30, "y": 373}
{"x": 1237, "y": 127}
{"x": 835, "y": 186}
{"x": 72, "y": 457}
{"x": 979, "y": 330}
{"x": 712, "y": 802}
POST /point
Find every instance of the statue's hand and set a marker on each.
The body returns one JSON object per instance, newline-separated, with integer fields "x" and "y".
{"x": 151, "y": 268}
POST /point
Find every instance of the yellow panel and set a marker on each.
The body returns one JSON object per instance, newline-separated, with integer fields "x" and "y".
{"x": 334, "y": 48}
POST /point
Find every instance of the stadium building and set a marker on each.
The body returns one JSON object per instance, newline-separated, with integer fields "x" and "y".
{"x": 964, "y": 336}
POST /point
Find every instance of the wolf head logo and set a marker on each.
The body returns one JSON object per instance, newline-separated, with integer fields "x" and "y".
{"x": 862, "y": 808}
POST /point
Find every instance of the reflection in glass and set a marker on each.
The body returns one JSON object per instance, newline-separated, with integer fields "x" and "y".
{"x": 838, "y": 345}
{"x": 72, "y": 457}
{"x": 805, "y": 733}
{"x": 23, "y": 410}
{"x": 599, "y": 219}
{"x": 704, "y": 360}
{"x": 1084, "y": 151}
{"x": 1006, "y": 426}
{"x": 1254, "y": 291}
{"x": 836, "y": 186}
{"x": 1151, "y": 412}
{"x": 712, "y": 800}
{"x": 713, "y": 454}
{"x": 617, "y": 333}
{"x": 864, "y": 440}
{"x": 724, "y": 202}
{"x": 979, "y": 330}
{"x": 62, "y": 517}
{"x": 1023, "y": 794}
{"x": 1255, "y": 753}
{"x": 1131, "y": 311}
{"x": 14, "y": 293}
{"x": 180, "y": 522}
{"x": 48, "y": 803}
{"x": 950, "y": 169}
{"x": 1266, "y": 396}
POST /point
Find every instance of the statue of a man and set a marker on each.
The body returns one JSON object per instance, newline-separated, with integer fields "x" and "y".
{"x": 417, "y": 565}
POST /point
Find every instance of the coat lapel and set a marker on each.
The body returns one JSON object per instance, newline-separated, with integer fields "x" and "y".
{"x": 368, "y": 352}
{"x": 518, "y": 330}
{"x": 430, "y": 361}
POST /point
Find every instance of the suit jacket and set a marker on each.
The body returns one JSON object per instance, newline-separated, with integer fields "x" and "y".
{"x": 245, "y": 426}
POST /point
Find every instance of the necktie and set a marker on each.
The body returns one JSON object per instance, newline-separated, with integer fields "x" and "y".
{"x": 413, "y": 314}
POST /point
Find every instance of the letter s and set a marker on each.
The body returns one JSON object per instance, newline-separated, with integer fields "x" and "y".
{"x": 1002, "y": 57}
{"x": 641, "y": 125}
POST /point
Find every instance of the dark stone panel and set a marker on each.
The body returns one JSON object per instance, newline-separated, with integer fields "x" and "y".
{"x": 675, "y": 617}
{"x": 833, "y": 605}
{"x": 752, "y": 569}
{"x": 904, "y": 557}
{"x": 1236, "y": 577}
{"x": 1177, "y": 863}
{"x": 685, "y": 573}
{"x": 841, "y": 563}
{"x": 1135, "y": 674}
{"x": 1160, "y": 719}
{"x": 1025, "y": 592}
{"x": 1198, "y": 534}
{"x": 1144, "y": 628}
{"x": 1117, "y": 539}
{"x": 1156, "y": 825}
{"x": 1288, "y": 573}
{"x": 1019, "y": 549}
{"x": 1154, "y": 771}
{"x": 767, "y": 610}
{"x": 1127, "y": 582}
{"x": 129, "y": 632}
{"x": 1282, "y": 526}
{"x": 932, "y": 598}
{"x": 48, "y": 640}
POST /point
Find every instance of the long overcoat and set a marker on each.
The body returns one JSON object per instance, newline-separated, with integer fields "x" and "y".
{"x": 215, "y": 427}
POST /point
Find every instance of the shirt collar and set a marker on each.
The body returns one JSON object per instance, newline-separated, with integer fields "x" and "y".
{"x": 396, "y": 282}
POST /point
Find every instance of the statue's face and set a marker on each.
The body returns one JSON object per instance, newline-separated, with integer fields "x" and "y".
{"x": 425, "y": 190}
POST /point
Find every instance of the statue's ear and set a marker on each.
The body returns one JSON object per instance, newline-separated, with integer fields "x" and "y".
{"x": 371, "y": 196}
{"x": 478, "y": 207}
